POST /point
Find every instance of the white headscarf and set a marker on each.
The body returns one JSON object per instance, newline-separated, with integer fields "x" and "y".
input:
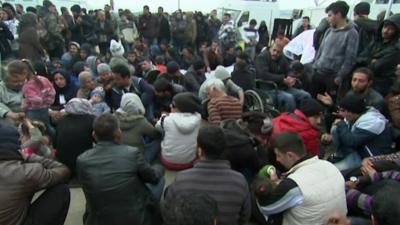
{"x": 131, "y": 104}
{"x": 78, "y": 106}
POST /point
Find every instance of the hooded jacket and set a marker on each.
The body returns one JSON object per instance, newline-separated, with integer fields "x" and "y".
{"x": 370, "y": 134}
{"x": 338, "y": 51}
{"x": 298, "y": 122}
{"x": 367, "y": 29}
{"x": 386, "y": 55}
{"x": 180, "y": 133}
{"x": 134, "y": 127}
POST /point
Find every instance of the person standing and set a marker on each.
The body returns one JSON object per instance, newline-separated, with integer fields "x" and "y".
{"x": 338, "y": 51}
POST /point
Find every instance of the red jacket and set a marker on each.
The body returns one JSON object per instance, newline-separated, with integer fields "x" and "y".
{"x": 298, "y": 122}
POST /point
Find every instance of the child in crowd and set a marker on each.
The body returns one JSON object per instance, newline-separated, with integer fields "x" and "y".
{"x": 97, "y": 99}
{"x": 34, "y": 139}
{"x": 39, "y": 95}
{"x": 180, "y": 128}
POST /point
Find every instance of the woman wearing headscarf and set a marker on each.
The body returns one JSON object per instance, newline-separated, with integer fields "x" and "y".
{"x": 74, "y": 132}
{"x": 135, "y": 126}
{"x": 65, "y": 89}
{"x": 263, "y": 35}
{"x": 29, "y": 44}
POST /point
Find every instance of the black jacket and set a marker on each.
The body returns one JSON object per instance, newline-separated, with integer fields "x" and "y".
{"x": 271, "y": 70}
{"x": 367, "y": 29}
{"x": 113, "y": 178}
{"x": 383, "y": 57}
{"x": 73, "y": 136}
{"x": 244, "y": 79}
{"x": 5, "y": 36}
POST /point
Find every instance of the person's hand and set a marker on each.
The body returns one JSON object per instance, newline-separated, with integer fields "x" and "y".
{"x": 367, "y": 166}
{"x": 337, "y": 219}
{"x": 326, "y": 99}
{"x": 79, "y": 20}
{"x": 17, "y": 117}
{"x": 351, "y": 185}
{"x": 208, "y": 69}
{"x": 368, "y": 170}
{"x": 326, "y": 138}
{"x": 336, "y": 121}
{"x": 289, "y": 81}
{"x": 338, "y": 81}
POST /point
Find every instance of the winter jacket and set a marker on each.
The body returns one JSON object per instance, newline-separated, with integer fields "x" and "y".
{"x": 270, "y": 70}
{"x": 191, "y": 30}
{"x": 113, "y": 178}
{"x": 367, "y": 30}
{"x": 394, "y": 109}
{"x": 38, "y": 96}
{"x": 73, "y": 136}
{"x": 180, "y": 134}
{"x": 178, "y": 27}
{"x": 10, "y": 100}
{"x": 104, "y": 31}
{"x": 338, "y": 51}
{"x": 5, "y": 37}
{"x": 244, "y": 79}
{"x": 370, "y": 134}
{"x": 382, "y": 57}
{"x": 21, "y": 179}
{"x": 148, "y": 26}
{"x": 138, "y": 86}
{"x": 53, "y": 39}
{"x": 193, "y": 80}
{"x": 298, "y": 122}
{"x": 164, "y": 32}
{"x": 134, "y": 127}
{"x": 29, "y": 45}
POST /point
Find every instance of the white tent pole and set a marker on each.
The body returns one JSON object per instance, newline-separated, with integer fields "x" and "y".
{"x": 389, "y": 9}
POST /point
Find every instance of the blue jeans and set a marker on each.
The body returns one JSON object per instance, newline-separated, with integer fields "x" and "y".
{"x": 350, "y": 161}
{"x": 285, "y": 101}
{"x": 299, "y": 95}
{"x": 157, "y": 189}
{"x": 351, "y": 158}
{"x": 152, "y": 150}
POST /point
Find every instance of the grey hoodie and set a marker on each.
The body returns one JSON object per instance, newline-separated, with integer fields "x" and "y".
{"x": 338, "y": 51}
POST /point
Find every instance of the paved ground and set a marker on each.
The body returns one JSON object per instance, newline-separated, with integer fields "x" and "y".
{"x": 77, "y": 206}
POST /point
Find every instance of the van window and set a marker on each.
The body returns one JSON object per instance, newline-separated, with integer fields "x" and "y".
{"x": 245, "y": 17}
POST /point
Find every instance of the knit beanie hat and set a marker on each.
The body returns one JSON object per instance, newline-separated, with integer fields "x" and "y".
{"x": 9, "y": 138}
{"x": 103, "y": 67}
{"x": 172, "y": 67}
{"x": 100, "y": 91}
{"x": 221, "y": 73}
{"x": 76, "y": 44}
{"x": 187, "y": 102}
{"x": 116, "y": 48}
{"x": 310, "y": 107}
{"x": 353, "y": 103}
{"x": 131, "y": 103}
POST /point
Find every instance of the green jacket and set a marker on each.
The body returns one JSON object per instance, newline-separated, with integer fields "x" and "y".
{"x": 134, "y": 127}
{"x": 10, "y": 100}
{"x": 113, "y": 178}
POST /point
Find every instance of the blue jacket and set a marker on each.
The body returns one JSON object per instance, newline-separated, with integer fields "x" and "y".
{"x": 369, "y": 135}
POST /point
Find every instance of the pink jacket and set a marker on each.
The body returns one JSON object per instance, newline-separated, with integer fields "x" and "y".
{"x": 36, "y": 97}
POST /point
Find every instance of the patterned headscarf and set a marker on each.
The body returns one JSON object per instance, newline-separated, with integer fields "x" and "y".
{"x": 78, "y": 106}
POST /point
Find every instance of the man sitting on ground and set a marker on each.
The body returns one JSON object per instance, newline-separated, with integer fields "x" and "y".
{"x": 312, "y": 190}
{"x": 213, "y": 176}
{"x": 113, "y": 178}
{"x": 363, "y": 132}
{"x": 22, "y": 176}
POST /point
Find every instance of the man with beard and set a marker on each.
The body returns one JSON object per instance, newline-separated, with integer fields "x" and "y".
{"x": 383, "y": 55}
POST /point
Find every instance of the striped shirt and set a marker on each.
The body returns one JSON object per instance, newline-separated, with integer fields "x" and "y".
{"x": 357, "y": 200}
{"x": 216, "y": 179}
{"x": 222, "y": 108}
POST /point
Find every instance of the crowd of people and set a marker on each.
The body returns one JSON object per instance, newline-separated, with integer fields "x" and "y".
{"x": 107, "y": 101}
